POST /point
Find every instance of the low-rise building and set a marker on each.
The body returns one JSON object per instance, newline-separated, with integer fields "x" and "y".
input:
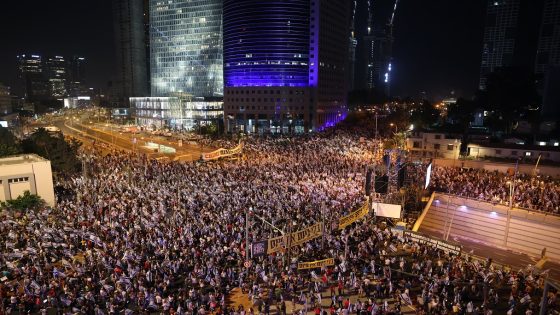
{"x": 28, "y": 172}
{"x": 514, "y": 151}
{"x": 175, "y": 112}
{"x": 433, "y": 144}
{"x": 5, "y": 100}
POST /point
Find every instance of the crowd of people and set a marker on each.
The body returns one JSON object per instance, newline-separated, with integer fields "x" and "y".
{"x": 534, "y": 193}
{"x": 132, "y": 235}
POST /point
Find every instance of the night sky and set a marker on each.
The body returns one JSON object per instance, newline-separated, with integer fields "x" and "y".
{"x": 437, "y": 42}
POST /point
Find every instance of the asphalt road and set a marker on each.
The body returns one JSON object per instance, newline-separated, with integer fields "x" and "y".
{"x": 501, "y": 256}
{"x": 124, "y": 141}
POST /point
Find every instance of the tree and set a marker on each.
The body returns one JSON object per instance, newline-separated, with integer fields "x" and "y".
{"x": 8, "y": 143}
{"x": 508, "y": 91}
{"x": 27, "y": 201}
{"x": 426, "y": 115}
{"x": 62, "y": 154}
{"x": 461, "y": 114}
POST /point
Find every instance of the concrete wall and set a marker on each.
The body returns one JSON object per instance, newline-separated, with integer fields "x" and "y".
{"x": 36, "y": 171}
{"x": 547, "y": 153}
{"x": 553, "y": 171}
{"x": 528, "y": 232}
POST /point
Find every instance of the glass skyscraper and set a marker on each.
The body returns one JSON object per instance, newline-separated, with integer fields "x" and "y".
{"x": 186, "y": 48}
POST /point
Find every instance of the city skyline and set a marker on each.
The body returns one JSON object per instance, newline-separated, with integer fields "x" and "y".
{"x": 92, "y": 36}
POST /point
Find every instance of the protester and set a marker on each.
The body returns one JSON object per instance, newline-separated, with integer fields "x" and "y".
{"x": 141, "y": 236}
{"x": 534, "y": 193}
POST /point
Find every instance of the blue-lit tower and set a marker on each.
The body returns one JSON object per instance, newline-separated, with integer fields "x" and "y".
{"x": 284, "y": 64}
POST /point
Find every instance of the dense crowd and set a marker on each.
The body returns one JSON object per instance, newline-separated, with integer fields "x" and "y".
{"x": 534, "y": 193}
{"x": 142, "y": 236}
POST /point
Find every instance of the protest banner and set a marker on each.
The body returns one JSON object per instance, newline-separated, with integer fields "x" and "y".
{"x": 354, "y": 216}
{"x": 316, "y": 264}
{"x": 446, "y": 246}
{"x": 276, "y": 244}
{"x": 258, "y": 248}
{"x": 222, "y": 153}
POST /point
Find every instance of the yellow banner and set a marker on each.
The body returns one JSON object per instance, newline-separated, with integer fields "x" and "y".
{"x": 222, "y": 152}
{"x": 354, "y": 216}
{"x": 276, "y": 244}
{"x": 316, "y": 264}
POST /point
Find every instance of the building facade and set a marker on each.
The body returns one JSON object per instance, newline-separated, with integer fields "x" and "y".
{"x": 76, "y": 77}
{"x": 285, "y": 65}
{"x": 424, "y": 144}
{"x": 5, "y": 100}
{"x": 55, "y": 73}
{"x": 179, "y": 113}
{"x": 130, "y": 43}
{"x": 51, "y": 77}
{"x": 27, "y": 172}
{"x": 514, "y": 152}
{"x": 186, "y": 48}
{"x": 547, "y": 65}
{"x": 373, "y": 33}
{"x": 510, "y": 36}
{"x": 379, "y": 62}
{"x": 33, "y": 85}
{"x": 362, "y": 26}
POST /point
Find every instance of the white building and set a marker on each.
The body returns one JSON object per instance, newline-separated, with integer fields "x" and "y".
{"x": 431, "y": 144}
{"x": 174, "y": 112}
{"x": 77, "y": 102}
{"x": 515, "y": 151}
{"x": 26, "y": 172}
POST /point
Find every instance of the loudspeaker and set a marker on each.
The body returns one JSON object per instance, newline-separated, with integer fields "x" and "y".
{"x": 401, "y": 176}
{"x": 381, "y": 184}
{"x": 368, "y": 182}
{"x": 387, "y": 161}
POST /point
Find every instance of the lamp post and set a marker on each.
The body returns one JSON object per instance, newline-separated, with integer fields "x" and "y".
{"x": 511, "y": 192}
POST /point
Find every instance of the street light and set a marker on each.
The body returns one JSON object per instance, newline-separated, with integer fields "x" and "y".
{"x": 396, "y": 127}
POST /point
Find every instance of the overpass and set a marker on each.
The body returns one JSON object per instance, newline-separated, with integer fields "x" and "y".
{"x": 495, "y": 229}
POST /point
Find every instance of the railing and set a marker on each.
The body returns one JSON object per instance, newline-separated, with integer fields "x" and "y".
{"x": 529, "y": 211}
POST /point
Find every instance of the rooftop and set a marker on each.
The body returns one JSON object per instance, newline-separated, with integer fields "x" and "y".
{"x": 21, "y": 159}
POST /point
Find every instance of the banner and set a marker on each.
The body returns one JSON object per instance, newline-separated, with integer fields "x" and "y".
{"x": 354, "y": 216}
{"x": 315, "y": 264}
{"x": 222, "y": 152}
{"x": 447, "y": 247}
{"x": 276, "y": 244}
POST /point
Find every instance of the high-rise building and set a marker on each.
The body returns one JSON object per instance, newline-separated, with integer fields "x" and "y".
{"x": 5, "y": 100}
{"x": 130, "y": 43}
{"x": 362, "y": 25}
{"x": 186, "y": 48}
{"x": 33, "y": 84}
{"x": 548, "y": 53}
{"x": 510, "y": 35}
{"x": 186, "y": 65}
{"x": 547, "y": 65}
{"x": 76, "y": 77}
{"x": 285, "y": 64}
{"x": 373, "y": 39}
{"x": 54, "y": 72}
{"x": 379, "y": 66}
